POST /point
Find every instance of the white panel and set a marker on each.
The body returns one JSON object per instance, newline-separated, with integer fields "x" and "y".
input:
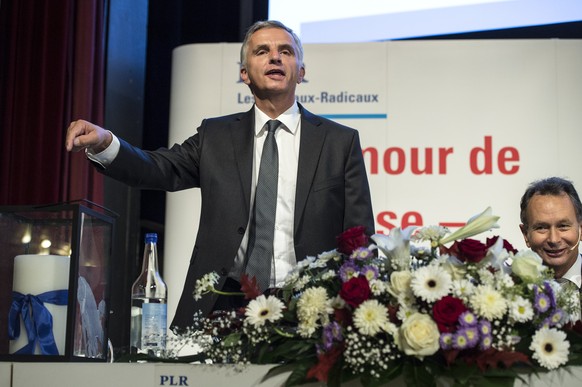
{"x": 525, "y": 96}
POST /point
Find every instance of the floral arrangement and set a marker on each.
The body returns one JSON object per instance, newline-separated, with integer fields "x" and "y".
{"x": 406, "y": 306}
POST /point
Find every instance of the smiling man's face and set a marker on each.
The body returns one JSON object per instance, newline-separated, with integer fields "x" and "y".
{"x": 553, "y": 231}
{"x": 272, "y": 67}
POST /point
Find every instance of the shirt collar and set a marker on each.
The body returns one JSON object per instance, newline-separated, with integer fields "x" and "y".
{"x": 290, "y": 119}
{"x": 574, "y": 274}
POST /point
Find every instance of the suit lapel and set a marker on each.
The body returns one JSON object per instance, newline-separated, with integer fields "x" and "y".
{"x": 242, "y": 142}
{"x": 312, "y": 138}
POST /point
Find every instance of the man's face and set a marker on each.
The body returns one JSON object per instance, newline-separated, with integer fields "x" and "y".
{"x": 272, "y": 65}
{"x": 553, "y": 230}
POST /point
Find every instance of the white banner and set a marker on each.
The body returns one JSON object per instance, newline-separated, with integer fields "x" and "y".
{"x": 448, "y": 128}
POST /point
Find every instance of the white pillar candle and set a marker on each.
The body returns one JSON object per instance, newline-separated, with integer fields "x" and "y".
{"x": 37, "y": 274}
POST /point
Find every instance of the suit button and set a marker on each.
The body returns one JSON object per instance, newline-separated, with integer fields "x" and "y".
{"x": 241, "y": 230}
{"x": 223, "y": 271}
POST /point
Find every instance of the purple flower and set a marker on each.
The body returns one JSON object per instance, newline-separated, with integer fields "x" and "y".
{"x": 332, "y": 332}
{"x": 542, "y": 302}
{"x": 361, "y": 254}
{"x": 550, "y": 292}
{"x": 472, "y": 335}
{"x": 467, "y": 319}
{"x": 460, "y": 340}
{"x": 446, "y": 340}
{"x": 370, "y": 272}
{"x": 556, "y": 317}
{"x": 348, "y": 270}
{"x": 486, "y": 342}
{"x": 546, "y": 323}
{"x": 484, "y": 328}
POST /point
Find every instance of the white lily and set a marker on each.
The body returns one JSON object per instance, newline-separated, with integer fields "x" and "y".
{"x": 497, "y": 257}
{"x": 476, "y": 225}
{"x": 396, "y": 246}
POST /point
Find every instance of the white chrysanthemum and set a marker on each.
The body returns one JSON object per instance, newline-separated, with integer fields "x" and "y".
{"x": 205, "y": 285}
{"x": 318, "y": 264}
{"x": 307, "y": 327}
{"x": 503, "y": 280}
{"x": 313, "y": 302}
{"x": 550, "y": 347}
{"x": 313, "y": 307}
{"x": 431, "y": 283}
{"x": 292, "y": 278}
{"x": 488, "y": 302}
{"x": 377, "y": 287}
{"x": 486, "y": 277}
{"x": 521, "y": 309}
{"x": 430, "y": 233}
{"x": 301, "y": 282}
{"x": 330, "y": 274}
{"x": 304, "y": 263}
{"x": 463, "y": 289}
{"x": 391, "y": 329}
{"x": 406, "y": 300}
{"x": 370, "y": 317}
{"x": 404, "y": 312}
{"x": 263, "y": 309}
{"x": 329, "y": 255}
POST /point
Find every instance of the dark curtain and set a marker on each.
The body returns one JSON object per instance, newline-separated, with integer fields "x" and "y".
{"x": 52, "y": 71}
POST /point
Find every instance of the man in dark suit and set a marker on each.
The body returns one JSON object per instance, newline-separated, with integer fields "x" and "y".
{"x": 551, "y": 217}
{"x": 322, "y": 183}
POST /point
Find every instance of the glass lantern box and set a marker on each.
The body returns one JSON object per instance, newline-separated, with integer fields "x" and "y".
{"x": 54, "y": 282}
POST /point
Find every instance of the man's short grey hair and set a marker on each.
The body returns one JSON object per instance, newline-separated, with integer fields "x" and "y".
{"x": 269, "y": 24}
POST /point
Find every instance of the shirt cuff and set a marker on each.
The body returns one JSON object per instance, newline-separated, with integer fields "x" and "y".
{"x": 105, "y": 157}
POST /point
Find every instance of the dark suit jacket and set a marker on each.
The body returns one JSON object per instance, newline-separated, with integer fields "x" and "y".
{"x": 332, "y": 190}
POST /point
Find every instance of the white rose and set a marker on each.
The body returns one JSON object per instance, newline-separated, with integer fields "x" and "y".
{"x": 419, "y": 336}
{"x": 399, "y": 282}
{"x": 527, "y": 265}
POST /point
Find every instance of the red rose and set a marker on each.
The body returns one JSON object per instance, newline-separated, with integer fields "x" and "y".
{"x": 574, "y": 327}
{"x": 355, "y": 291}
{"x": 469, "y": 250}
{"x": 351, "y": 239}
{"x": 343, "y": 316}
{"x": 506, "y": 245}
{"x": 446, "y": 312}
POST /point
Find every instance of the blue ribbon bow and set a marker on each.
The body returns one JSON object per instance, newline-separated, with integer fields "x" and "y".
{"x": 38, "y": 324}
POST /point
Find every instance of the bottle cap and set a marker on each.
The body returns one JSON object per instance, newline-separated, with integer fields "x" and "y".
{"x": 151, "y": 237}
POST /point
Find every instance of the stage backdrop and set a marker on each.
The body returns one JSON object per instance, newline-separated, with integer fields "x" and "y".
{"x": 448, "y": 128}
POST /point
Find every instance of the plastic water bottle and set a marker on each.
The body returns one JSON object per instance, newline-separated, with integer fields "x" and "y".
{"x": 149, "y": 296}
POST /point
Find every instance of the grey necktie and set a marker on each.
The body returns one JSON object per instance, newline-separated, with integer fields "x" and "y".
{"x": 262, "y": 226}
